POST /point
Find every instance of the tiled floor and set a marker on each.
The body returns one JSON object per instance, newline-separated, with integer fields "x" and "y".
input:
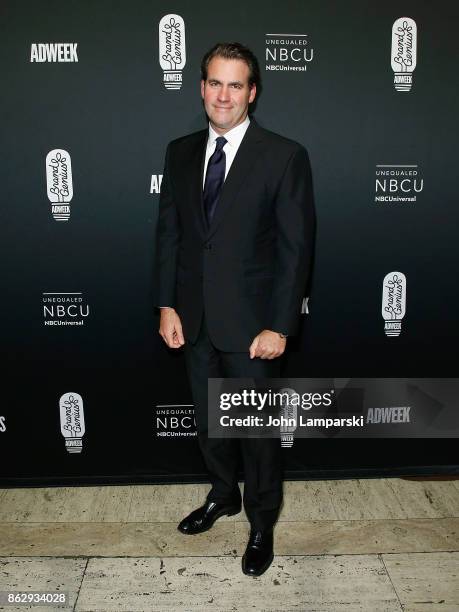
{"x": 370, "y": 545}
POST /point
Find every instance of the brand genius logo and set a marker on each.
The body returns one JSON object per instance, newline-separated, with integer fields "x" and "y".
{"x": 59, "y": 183}
{"x": 53, "y": 52}
{"x": 393, "y": 302}
{"x": 403, "y": 52}
{"x": 172, "y": 51}
{"x": 72, "y": 421}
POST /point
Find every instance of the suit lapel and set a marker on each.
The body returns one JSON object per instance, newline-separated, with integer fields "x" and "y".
{"x": 198, "y": 155}
{"x": 246, "y": 156}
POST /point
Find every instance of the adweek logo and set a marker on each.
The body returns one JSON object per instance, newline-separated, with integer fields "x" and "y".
{"x": 59, "y": 183}
{"x": 393, "y": 307}
{"x": 288, "y": 52}
{"x": 64, "y": 308}
{"x": 72, "y": 421}
{"x": 397, "y": 183}
{"x": 389, "y": 414}
{"x": 403, "y": 52}
{"x": 2, "y": 424}
{"x": 155, "y": 183}
{"x": 172, "y": 50}
{"x": 305, "y": 305}
{"x": 53, "y": 52}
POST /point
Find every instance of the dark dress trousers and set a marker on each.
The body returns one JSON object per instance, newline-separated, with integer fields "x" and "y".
{"x": 245, "y": 273}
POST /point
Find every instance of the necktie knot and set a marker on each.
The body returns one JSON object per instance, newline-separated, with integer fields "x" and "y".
{"x": 220, "y": 143}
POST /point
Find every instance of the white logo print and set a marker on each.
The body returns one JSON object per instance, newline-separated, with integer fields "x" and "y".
{"x": 59, "y": 183}
{"x": 403, "y": 52}
{"x": 288, "y": 410}
{"x": 393, "y": 302}
{"x": 155, "y": 183}
{"x": 305, "y": 305}
{"x": 175, "y": 420}
{"x": 397, "y": 183}
{"x": 288, "y": 52}
{"x": 53, "y": 52}
{"x": 64, "y": 309}
{"x": 172, "y": 52}
{"x": 72, "y": 421}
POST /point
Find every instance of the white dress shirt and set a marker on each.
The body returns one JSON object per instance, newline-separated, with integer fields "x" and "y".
{"x": 234, "y": 137}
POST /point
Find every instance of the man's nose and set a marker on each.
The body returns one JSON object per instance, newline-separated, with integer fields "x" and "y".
{"x": 223, "y": 94}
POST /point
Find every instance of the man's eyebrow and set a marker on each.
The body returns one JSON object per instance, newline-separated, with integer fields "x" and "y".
{"x": 230, "y": 83}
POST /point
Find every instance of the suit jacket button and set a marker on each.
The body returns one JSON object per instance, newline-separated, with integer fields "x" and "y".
{"x": 208, "y": 246}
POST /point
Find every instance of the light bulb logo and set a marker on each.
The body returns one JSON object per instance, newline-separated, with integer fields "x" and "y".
{"x": 393, "y": 302}
{"x": 172, "y": 52}
{"x": 59, "y": 183}
{"x": 403, "y": 52}
{"x": 72, "y": 421}
{"x": 288, "y": 410}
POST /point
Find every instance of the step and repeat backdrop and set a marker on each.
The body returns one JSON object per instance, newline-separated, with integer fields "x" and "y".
{"x": 92, "y": 92}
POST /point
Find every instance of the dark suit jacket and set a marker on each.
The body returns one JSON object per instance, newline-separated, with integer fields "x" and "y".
{"x": 248, "y": 271}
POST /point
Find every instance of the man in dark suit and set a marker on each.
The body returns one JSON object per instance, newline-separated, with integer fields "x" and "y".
{"x": 234, "y": 248}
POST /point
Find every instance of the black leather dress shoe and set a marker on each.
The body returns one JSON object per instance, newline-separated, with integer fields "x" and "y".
{"x": 259, "y": 553}
{"x": 204, "y": 517}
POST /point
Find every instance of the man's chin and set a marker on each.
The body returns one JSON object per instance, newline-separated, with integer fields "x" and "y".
{"x": 224, "y": 125}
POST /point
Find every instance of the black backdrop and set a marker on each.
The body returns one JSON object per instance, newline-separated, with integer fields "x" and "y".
{"x": 111, "y": 114}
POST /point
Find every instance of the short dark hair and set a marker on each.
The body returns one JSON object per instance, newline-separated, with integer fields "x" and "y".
{"x": 236, "y": 51}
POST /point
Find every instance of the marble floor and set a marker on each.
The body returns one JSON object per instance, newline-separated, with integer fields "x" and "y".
{"x": 340, "y": 545}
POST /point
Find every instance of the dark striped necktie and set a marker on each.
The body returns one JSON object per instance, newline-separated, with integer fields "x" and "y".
{"x": 215, "y": 177}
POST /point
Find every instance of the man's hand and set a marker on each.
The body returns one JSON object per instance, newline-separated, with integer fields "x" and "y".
{"x": 170, "y": 328}
{"x": 267, "y": 345}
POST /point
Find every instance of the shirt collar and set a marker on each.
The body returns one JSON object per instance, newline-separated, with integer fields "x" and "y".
{"x": 233, "y": 136}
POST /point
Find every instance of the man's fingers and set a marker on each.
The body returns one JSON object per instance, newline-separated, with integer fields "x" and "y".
{"x": 170, "y": 338}
{"x": 170, "y": 328}
{"x": 179, "y": 333}
{"x": 264, "y": 352}
{"x": 265, "y": 348}
{"x": 253, "y": 348}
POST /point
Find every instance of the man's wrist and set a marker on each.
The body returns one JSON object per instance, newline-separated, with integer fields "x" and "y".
{"x": 284, "y": 336}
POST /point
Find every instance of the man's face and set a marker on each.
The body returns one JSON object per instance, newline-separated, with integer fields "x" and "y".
{"x": 226, "y": 93}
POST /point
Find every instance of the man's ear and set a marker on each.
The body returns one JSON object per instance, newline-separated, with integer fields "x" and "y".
{"x": 202, "y": 89}
{"x": 253, "y": 93}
